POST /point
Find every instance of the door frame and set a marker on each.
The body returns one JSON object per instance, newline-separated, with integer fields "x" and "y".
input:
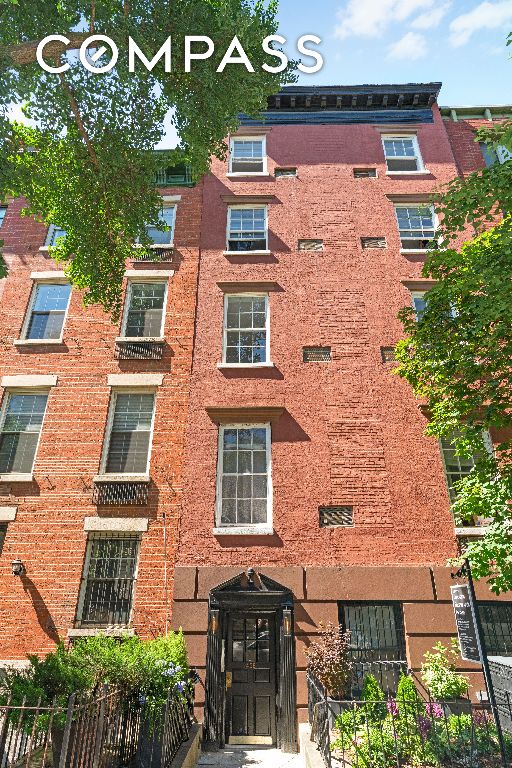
{"x": 250, "y": 592}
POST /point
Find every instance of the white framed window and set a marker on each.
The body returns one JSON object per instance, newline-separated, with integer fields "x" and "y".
{"x": 47, "y": 311}
{"x": 417, "y": 226}
{"x": 108, "y": 579}
{"x": 246, "y": 329}
{"x": 457, "y": 467}
{"x": 144, "y": 309}
{"x": 247, "y": 228}
{"x": 402, "y": 154}
{"x": 129, "y": 433}
{"x": 244, "y": 486}
{"x": 3, "y": 211}
{"x": 248, "y": 155}
{"x": 22, "y": 418}
{"x": 53, "y": 233}
{"x": 419, "y": 302}
{"x": 167, "y": 217}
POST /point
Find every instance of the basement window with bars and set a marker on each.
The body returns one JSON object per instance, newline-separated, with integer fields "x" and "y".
{"x": 110, "y": 571}
{"x": 22, "y": 419}
{"x": 311, "y": 244}
{"x": 247, "y": 228}
{"x": 496, "y": 619}
{"x": 47, "y": 311}
{"x": 246, "y": 329}
{"x": 416, "y": 225}
{"x": 377, "y": 641}
{"x": 247, "y": 155}
{"x": 244, "y": 476}
{"x": 285, "y": 173}
{"x": 129, "y": 433}
{"x": 456, "y": 467}
{"x": 388, "y": 354}
{"x": 331, "y": 517}
{"x": 316, "y": 355}
{"x": 402, "y": 154}
{"x": 53, "y": 234}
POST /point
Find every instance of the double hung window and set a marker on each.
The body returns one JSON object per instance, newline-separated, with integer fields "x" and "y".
{"x": 416, "y": 225}
{"x": 247, "y": 228}
{"x": 246, "y": 329}
{"x": 22, "y": 419}
{"x": 129, "y": 432}
{"x": 167, "y": 217}
{"x": 247, "y": 155}
{"x": 47, "y": 311}
{"x": 457, "y": 467}
{"x": 54, "y": 232}
{"x": 402, "y": 154}
{"x": 144, "y": 312}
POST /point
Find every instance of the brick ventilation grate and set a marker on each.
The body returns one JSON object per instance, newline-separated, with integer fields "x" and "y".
{"x": 139, "y": 350}
{"x": 285, "y": 172}
{"x": 388, "y": 354}
{"x": 117, "y": 494}
{"x": 334, "y": 516}
{"x": 365, "y": 173}
{"x": 311, "y": 245}
{"x": 316, "y": 355}
{"x": 374, "y": 242}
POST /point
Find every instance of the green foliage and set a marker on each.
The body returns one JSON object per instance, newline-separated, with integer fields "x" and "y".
{"x": 373, "y": 694}
{"x": 329, "y": 660}
{"x": 457, "y": 355}
{"x": 438, "y": 673}
{"x": 88, "y": 164}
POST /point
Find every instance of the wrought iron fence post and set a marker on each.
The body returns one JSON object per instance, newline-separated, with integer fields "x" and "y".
{"x": 67, "y": 731}
{"x": 100, "y": 725}
{"x": 4, "y": 731}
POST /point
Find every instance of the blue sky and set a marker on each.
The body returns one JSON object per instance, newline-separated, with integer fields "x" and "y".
{"x": 461, "y": 43}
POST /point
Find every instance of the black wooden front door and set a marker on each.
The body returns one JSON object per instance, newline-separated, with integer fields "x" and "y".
{"x": 251, "y": 679}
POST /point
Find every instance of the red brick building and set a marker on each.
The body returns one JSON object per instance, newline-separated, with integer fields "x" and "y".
{"x": 93, "y": 419}
{"x": 311, "y": 491}
{"x": 236, "y": 457}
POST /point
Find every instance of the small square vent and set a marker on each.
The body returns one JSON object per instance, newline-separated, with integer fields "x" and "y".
{"x": 282, "y": 173}
{"x": 335, "y": 516}
{"x": 311, "y": 245}
{"x": 374, "y": 242}
{"x": 388, "y": 354}
{"x": 316, "y": 355}
{"x": 365, "y": 173}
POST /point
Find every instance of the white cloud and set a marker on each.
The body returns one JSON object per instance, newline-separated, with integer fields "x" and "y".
{"x": 370, "y": 18}
{"x": 410, "y": 46}
{"x": 431, "y": 19}
{"x": 485, "y": 16}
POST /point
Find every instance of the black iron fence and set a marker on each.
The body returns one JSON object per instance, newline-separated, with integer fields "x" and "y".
{"x": 394, "y": 733}
{"x": 102, "y": 730}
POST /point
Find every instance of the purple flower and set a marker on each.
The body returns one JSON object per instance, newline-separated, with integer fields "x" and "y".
{"x": 434, "y": 709}
{"x": 480, "y": 717}
{"x": 180, "y": 686}
{"x": 424, "y": 726}
{"x": 392, "y": 707}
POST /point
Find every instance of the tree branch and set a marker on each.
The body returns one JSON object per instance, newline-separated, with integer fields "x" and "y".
{"x": 78, "y": 119}
{"x": 93, "y": 17}
{"x": 25, "y": 53}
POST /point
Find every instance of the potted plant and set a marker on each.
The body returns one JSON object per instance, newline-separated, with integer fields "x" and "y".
{"x": 329, "y": 662}
{"x": 443, "y": 682}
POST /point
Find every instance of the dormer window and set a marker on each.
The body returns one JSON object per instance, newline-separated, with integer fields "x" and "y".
{"x": 247, "y": 155}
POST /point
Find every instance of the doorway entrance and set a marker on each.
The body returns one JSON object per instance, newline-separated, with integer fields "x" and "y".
{"x": 251, "y": 679}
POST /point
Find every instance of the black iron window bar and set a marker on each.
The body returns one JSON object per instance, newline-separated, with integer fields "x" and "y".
{"x": 139, "y": 349}
{"x": 120, "y": 492}
{"x": 154, "y": 253}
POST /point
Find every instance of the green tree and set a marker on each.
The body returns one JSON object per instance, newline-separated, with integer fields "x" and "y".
{"x": 457, "y": 355}
{"x": 88, "y": 165}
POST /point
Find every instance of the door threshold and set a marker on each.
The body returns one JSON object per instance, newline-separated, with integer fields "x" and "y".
{"x": 250, "y": 740}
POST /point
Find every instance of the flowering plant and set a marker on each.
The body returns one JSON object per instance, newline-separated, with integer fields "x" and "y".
{"x": 329, "y": 659}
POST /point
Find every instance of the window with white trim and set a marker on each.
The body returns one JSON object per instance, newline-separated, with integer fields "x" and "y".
{"x": 416, "y": 225}
{"x": 144, "y": 310}
{"x": 47, "y": 311}
{"x": 419, "y": 302}
{"x": 3, "y": 210}
{"x": 22, "y": 419}
{"x": 108, "y": 581}
{"x": 246, "y": 329}
{"x": 402, "y": 154}
{"x": 457, "y": 467}
{"x": 129, "y": 433}
{"x": 168, "y": 218}
{"x": 54, "y": 232}
{"x": 247, "y": 155}
{"x": 247, "y": 228}
{"x": 244, "y": 482}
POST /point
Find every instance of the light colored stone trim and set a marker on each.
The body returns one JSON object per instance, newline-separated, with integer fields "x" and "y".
{"x": 54, "y": 274}
{"x": 149, "y": 273}
{"x": 135, "y": 379}
{"x": 121, "y": 478}
{"x": 14, "y": 663}
{"x": 171, "y": 198}
{"x": 8, "y": 514}
{"x": 28, "y": 381}
{"x": 99, "y": 631}
{"x": 127, "y": 524}
{"x": 37, "y": 342}
{"x": 263, "y": 530}
{"x": 17, "y": 477}
{"x": 471, "y": 531}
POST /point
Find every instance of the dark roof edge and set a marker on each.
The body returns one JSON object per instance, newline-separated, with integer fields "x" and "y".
{"x": 334, "y": 90}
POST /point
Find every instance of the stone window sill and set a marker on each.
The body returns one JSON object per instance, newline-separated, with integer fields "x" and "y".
{"x": 471, "y": 531}
{"x": 17, "y": 477}
{"x": 144, "y": 478}
{"x": 263, "y": 530}
{"x": 146, "y": 339}
{"x": 424, "y": 172}
{"x": 247, "y": 253}
{"x": 101, "y": 631}
{"x": 244, "y": 366}
{"x": 37, "y": 342}
{"x": 239, "y": 175}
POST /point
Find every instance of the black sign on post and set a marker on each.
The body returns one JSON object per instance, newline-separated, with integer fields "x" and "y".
{"x": 466, "y": 623}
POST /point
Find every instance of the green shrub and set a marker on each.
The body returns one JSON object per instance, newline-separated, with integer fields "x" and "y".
{"x": 373, "y": 694}
{"x": 438, "y": 673}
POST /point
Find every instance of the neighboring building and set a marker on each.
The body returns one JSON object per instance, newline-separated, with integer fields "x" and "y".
{"x": 236, "y": 457}
{"x": 91, "y": 435}
{"x": 312, "y": 493}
